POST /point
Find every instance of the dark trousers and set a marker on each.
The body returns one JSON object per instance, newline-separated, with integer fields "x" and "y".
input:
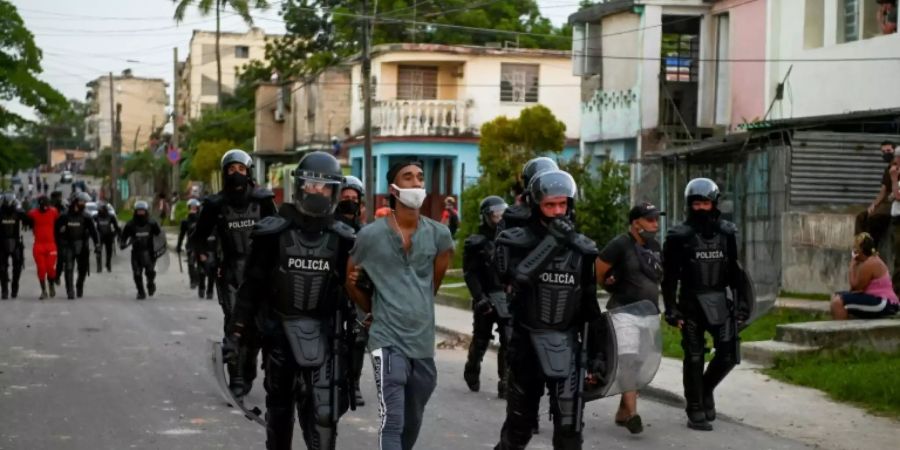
{"x": 876, "y": 224}
{"x": 527, "y": 384}
{"x": 404, "y": 387}
{"x": 69, "y": 258}
{"x": 17, "y": 259}
{"x": 482, "y": 335}
{"x": 242, "y": 368}
{"x": 143, "y": 263}
{"x": 107, "y": 242}
{"x": 308, "y": 389}
{"x": 699, "y": 385}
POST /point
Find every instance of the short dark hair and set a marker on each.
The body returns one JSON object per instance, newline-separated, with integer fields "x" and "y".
{"x": 883, "y": 143}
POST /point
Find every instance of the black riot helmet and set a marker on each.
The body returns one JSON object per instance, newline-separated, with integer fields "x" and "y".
{"x": 43, "y": 202}
{"x": 536, "y": 166}
{"x": 80, "y": 201}
{"x": 552, "y": 183}
{"x": 141, "y": 206}
{"x": 236, "y": 181}
{"x": 8, "y": 201}
{"x": 317, "y": 183}
{"x": 236, "y": 155}
{"x": 491, "y": 209}
{"x": 102, "y": 208}
{"x": 351, "y": 182}
{"x": 701, "y": 189}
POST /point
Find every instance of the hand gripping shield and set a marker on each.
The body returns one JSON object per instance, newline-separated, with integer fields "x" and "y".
{"x": 632, "y": 349}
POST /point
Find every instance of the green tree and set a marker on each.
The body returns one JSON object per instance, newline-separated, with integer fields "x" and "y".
{"x": 505, "y": 146}
{"x": 205, "y": 160}
{"x": 151, "y": 166}
{"x": 602, "y": 206}
{"x": 241, "y": 7}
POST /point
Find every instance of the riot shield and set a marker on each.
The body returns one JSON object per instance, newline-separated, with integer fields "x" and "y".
{"x": 160, "y": 252}
{"x": 746, "y": 301}
{"x": 633, "y": 349}
{"x": 218, "y": 367}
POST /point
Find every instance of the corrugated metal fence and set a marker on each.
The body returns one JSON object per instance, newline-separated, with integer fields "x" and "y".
{"x": 835, "y": 168}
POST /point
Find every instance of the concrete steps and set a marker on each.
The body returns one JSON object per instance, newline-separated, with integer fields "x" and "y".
{"x": 795, "y": 339}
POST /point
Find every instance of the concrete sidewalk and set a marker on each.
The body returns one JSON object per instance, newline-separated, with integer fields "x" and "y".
{"x": 747, "y": 396}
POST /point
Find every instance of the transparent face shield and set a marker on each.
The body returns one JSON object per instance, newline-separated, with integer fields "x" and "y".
{"x": 495, "y": 213}
{"x": 316, "y": 194}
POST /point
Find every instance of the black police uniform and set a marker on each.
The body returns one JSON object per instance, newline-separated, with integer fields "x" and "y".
{"x": 73, "y": 230}
{"x": 11, "y": 248}
{"x": 294, "y": 287}
{"x": 231, "y": 217}
{"x": 108, "y": 229}
{"x": 143, "y": 260}
{"x": 358, "y": 349}
{"x": 185, "y": 229}
{"x": 482, "y": 280}
{"x": 703, "y": 257}
{"x": 554, "y": 295}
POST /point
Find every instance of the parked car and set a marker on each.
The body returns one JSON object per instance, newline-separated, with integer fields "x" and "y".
{"x": 66, "y": 177}
{"x": 92, "y": 208}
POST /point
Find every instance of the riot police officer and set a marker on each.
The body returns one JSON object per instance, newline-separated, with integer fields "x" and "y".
{"x": 518, "y": 214}
{"x": 701, "y": 255}
{"x": 294, "y": 288}
{"x": 108, "y": 229}
{"x": 11, "y": 246}
{"x": 550, "y": 269}
{"x": 231, "y": 215}
{"x": 139, "y": 233}
{"x": 489, "y": 305}
{"x": 73, "y": 230}
{"x": 349, "y": 211}
{"x": 187, "y": 226}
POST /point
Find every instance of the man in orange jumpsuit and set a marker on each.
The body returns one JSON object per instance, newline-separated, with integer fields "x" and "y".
{"x": 43, "y": 218}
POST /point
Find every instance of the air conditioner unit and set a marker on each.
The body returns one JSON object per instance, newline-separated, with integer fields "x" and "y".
{"x": 279, "y": 115}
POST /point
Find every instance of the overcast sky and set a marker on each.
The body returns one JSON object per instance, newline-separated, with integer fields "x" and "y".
{"x": 85, "y": 39}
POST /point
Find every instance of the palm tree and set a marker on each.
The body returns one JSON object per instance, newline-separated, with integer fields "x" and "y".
{"x": 241, "y": 7}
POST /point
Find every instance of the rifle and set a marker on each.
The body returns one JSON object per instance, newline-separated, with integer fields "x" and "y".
{"x": 582, "y": 376}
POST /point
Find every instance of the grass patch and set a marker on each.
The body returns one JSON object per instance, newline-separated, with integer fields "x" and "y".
{"x": 866, "y": 378}
{"x": 761, "y": 330}
{"x": 805, "y": 296}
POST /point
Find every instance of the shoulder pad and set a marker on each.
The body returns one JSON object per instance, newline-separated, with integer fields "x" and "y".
{"x": 270, "y": 225}
{"x": 343, "y": 230}
{"x": 585, "y": 245}
{"x": 261, "y": 193}
{"x": 475, "y": 240}
{"x": 727, "y": 227}
{"x": 517, "y": 237}
{"x": 215, "y": 200}
{"x": 517, "y": 212}
{"x": 680, "y": 230}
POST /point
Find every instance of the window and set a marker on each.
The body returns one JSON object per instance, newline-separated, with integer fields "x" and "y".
{"x": 241, "y": 51}
{"x": 417, "y": 83}
{"x": 814, "y": 24}
{"x": 208, "y": 86}
{"x": 519, "y": 83}
{"x": 587, "y": 42}
{"x": 849, "y": 19}
{"x": 680, "y": 53}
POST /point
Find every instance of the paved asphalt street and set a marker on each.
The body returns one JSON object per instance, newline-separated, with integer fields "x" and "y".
{"x": 109, "y": 372}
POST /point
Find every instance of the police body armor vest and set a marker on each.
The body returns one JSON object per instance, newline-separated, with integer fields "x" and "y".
{"x": 143, "y": 238}
{"x": 487, "y": 273}
{"x": 9, "y": 233}
{"x": 707, "y": 263}
{"x": 75, "y": 234}
{"x": 104, "y": 226}
{"x": 235, "y": 229}
{"x": 553, "y": 303}
{"x": 306, "y": 278}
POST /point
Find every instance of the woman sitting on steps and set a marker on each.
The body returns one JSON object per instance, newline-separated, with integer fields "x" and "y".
{"x": 871, "y": 293}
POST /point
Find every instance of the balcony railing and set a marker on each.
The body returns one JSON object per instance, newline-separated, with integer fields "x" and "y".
{"x": 420, "y": 117}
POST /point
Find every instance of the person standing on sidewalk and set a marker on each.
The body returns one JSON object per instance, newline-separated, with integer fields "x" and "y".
{"x": 701, "y": 255}
{"x": 484, "y": 286}
{"x": 876, "y": 218}
{"x": 405, "y": 255}
{"x": 630, "y": 268}
{"x": 43, "y": 223}
{"x": 550, "y": 268}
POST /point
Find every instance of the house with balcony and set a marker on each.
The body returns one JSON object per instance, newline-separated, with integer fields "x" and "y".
{"x": 658, "y": 74}
{"x": 430, "y": 102}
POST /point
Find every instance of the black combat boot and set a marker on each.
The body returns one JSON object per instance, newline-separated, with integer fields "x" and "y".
{"x": 44, "y": 290}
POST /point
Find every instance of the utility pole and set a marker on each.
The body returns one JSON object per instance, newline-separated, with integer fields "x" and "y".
{"x": 176, "y": 166}
{"x": 367, "y": 115}
{"x": 114, "y": 170}
{"x": 117, "y": 150}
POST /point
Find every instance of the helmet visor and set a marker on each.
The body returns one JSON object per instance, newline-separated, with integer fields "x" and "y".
{"x": 553, "y": 184}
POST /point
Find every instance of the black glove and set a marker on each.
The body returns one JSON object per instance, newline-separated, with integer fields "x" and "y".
{"x": 178, "y": 250}
{"x": 673, "y": 316}
{"x": 562, "y": 229}
{"x": 482, "y": 306}
{"x": 597, "y": 368}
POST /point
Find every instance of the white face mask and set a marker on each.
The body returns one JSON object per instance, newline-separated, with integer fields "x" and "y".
{"x": 412, "y": 197}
